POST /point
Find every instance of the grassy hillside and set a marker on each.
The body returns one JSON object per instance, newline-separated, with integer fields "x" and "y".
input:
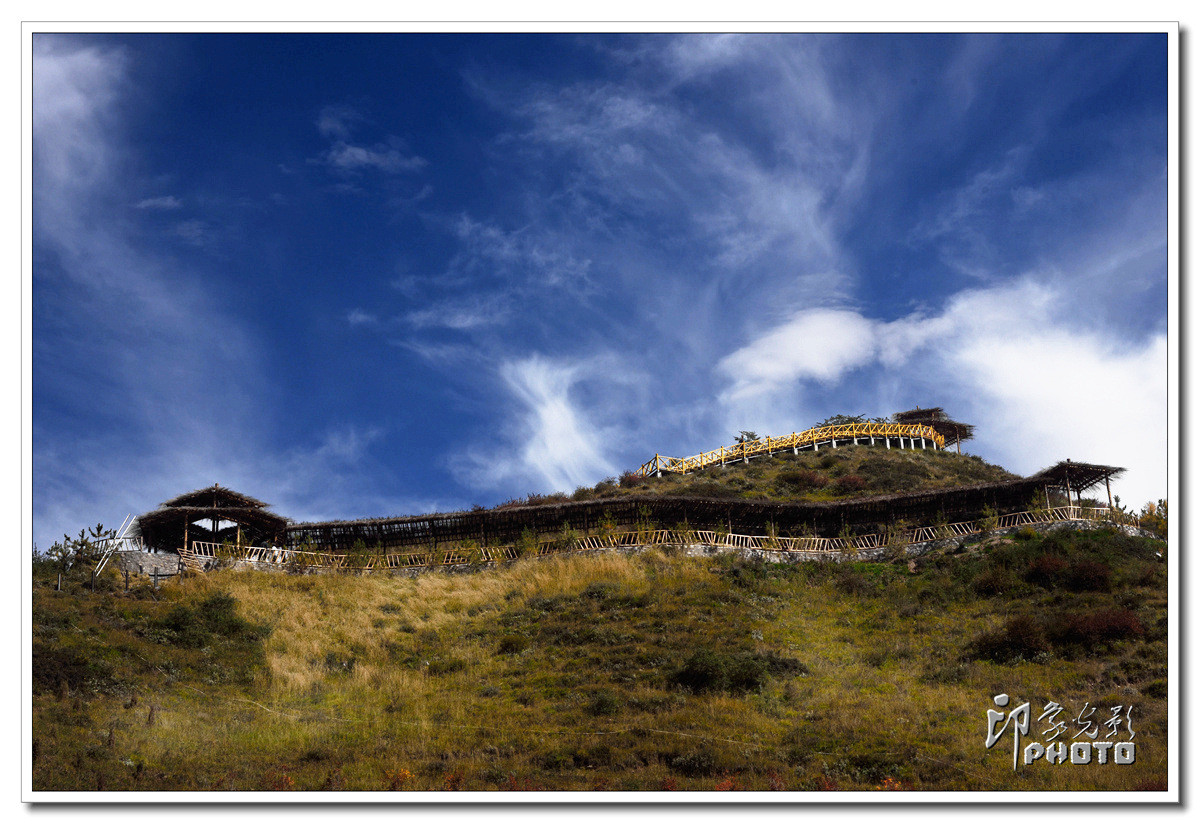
{"x": 831, "y": 474}
{"x": 644, "y": 672}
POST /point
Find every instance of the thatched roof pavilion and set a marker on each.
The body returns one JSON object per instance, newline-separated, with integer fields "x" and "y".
{"x": 213, "y": 514}
{"x": 935, "y": 417}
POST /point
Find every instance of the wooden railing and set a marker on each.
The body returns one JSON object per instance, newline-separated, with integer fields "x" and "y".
{"x": 795, "y": 441}
{"x": 201, "y": 554}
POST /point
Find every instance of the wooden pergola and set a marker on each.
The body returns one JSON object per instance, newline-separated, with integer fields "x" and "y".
{"x": 1071, "y": 476}
{"x": 824, "y": 518}
{"x": 212, "y": 514}
{"x": 218, "y": 515}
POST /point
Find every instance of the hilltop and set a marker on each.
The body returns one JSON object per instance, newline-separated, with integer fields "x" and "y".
{"x": 832, "y": 474}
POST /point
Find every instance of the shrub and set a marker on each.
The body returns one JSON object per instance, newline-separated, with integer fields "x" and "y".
{"x": 1156, "y": 689}
{"x": 215, "y": 615}
{"x": 802, "y": 479}
{"x": 54, "y": 666}
{"x": 1089, "y": 576}
{"x": 445, "y": 666}
{"x": 851, "y": 581}
{"x": 782, "y": 664}
{"x": 694, "y": 764}
{"x": 747, "y": 673}
{"x": 1100, "y": 628}
{"x": 512, "y": 644}
{"x": 604, "y": 702}
{"x": 709, "y": 671}
{"x": 993, "y": 582}
{"x": 631, "y": 480}
{"x": 1021, "y": 638}
{"x": 527, "y": 544}
{"x": 849, "y": 483}
{"x": 1046, "y": 571}
{"x": 704, "y": 671}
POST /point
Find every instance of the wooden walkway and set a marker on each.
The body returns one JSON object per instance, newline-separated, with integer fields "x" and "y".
{"x": 201, "y": 556}
{"x": 808, "y": 439}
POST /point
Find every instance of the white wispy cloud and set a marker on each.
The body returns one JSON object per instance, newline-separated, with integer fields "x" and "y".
{"x": 818, "y": 344}
{"x": 337, "y": 122}
{"x": 177, "y": 382}
{"x": 165, "y": 203}
{"x": 470, "y": 312}
{"x": 555, "y": 445}
{"x": 526, "y": 257}
{"x": 357, "y": 317}
{"x": 194, "y": 232}
{"x": 1039, "y": 388}
{"x": 390, "y": 156}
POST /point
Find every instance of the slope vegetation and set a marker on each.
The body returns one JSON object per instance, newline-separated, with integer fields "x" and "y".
{"x": 607, "y": 672}
{"x": 831, "y": 474}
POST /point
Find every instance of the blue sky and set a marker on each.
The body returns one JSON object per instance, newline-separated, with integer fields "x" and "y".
{"x": 368, "y": 275}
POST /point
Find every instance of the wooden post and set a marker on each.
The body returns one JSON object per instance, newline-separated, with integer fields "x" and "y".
{"x": 238, "y": 539}
{"x": 58, "y": 587}
{"x": 1108, "y": 489}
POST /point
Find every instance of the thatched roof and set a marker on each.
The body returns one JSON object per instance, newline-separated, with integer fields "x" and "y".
{"x": 1075, "y": 475}
{"x": 164, "y": 528}
{"x": 936, "y": 417}
{"x": 215, "y": 496}
{"x": 246, "y": 516}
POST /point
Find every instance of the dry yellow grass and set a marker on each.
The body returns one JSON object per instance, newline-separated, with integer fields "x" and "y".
{"x": 558, "y": 674}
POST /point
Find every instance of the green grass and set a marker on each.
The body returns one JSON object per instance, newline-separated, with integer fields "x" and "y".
{"x": 831, "y": 474}
{"x": 621, "y": 672}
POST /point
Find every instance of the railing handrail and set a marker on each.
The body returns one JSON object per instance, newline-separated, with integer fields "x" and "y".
{"x": 748, "y": 449}
{"x": 453, "y": 555}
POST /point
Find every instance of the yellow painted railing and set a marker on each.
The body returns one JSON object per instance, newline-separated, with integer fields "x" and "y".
{"x": 199, "y": 553}
{"x": 795, "y": 441}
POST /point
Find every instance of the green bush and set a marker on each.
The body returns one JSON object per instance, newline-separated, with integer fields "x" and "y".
{"x": 215, "y": 615}
{"x": 512, "y": 644}
{"x": 704, "y": 671}
{"x": 695, "y": 764}
{"x": 1156, "y": 689}
{"x": 710, "y": 671}
{"x": 54, "y": 666}
{"x": 604, "y": 702}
